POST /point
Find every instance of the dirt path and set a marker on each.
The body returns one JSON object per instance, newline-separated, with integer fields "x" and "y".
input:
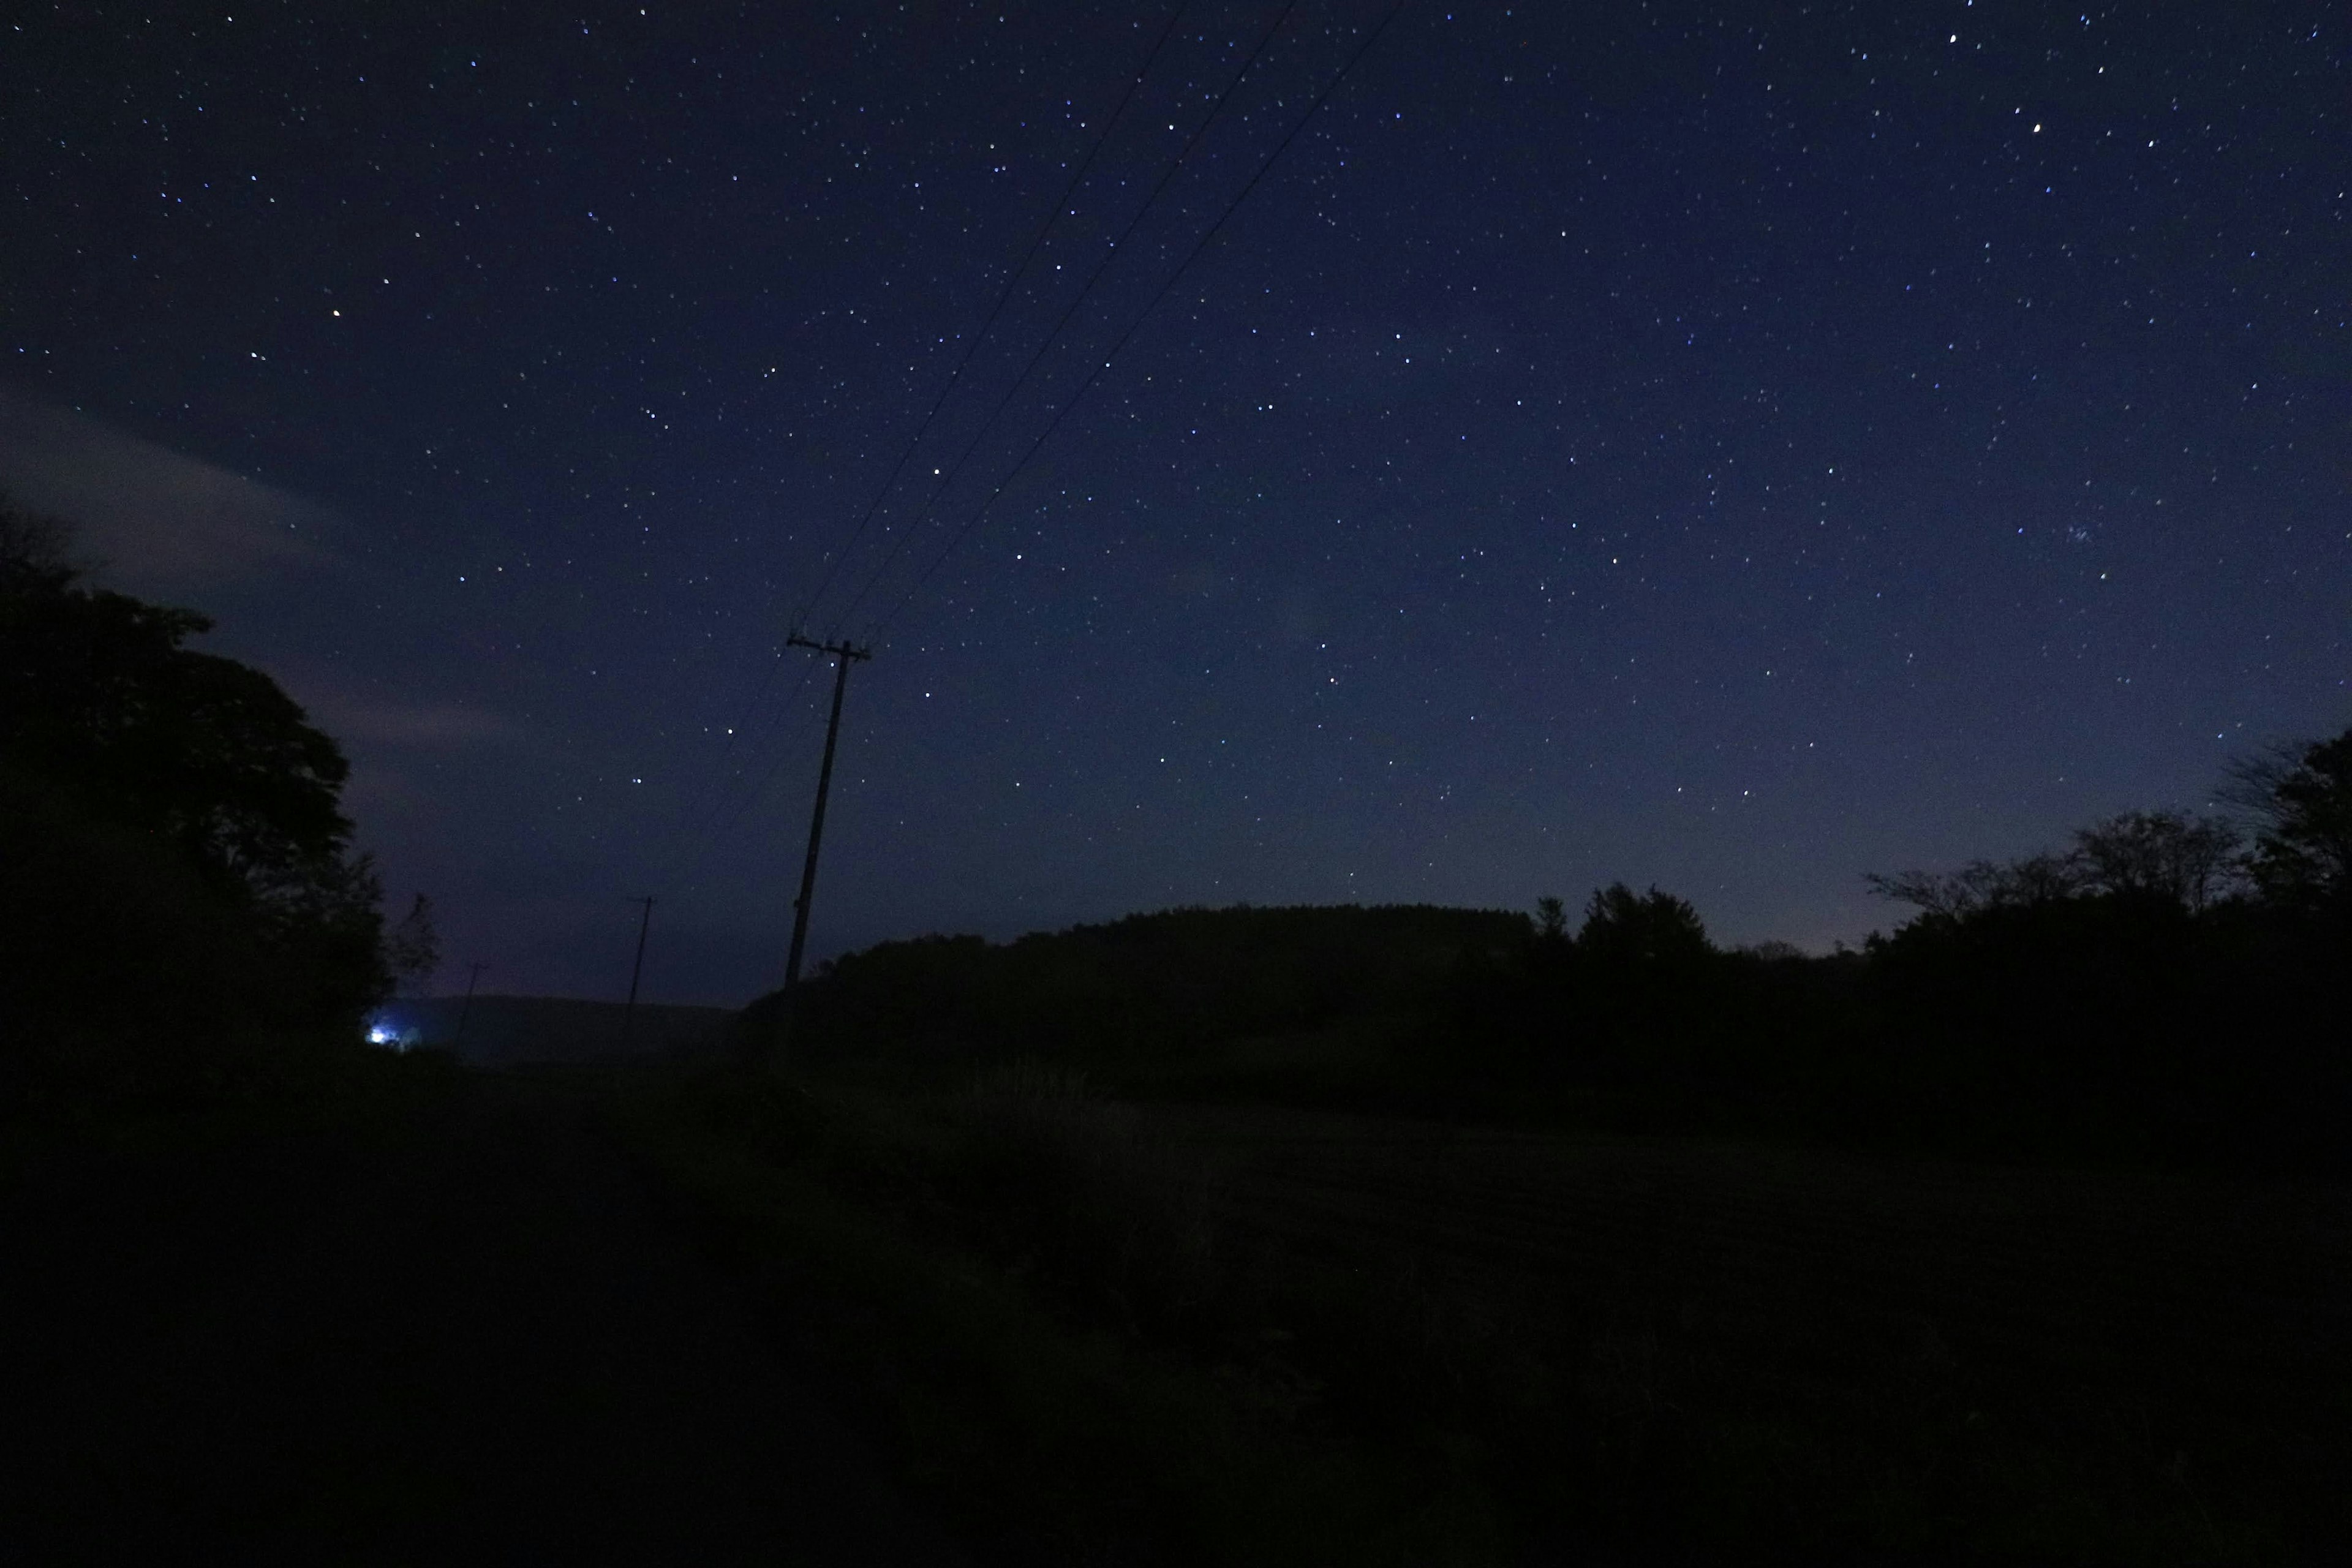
{"x": 483, "y": 1344}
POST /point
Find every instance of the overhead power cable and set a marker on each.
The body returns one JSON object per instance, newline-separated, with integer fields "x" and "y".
{"x": 1198, "y": 247}
{"x": 1003, "y": 297}
{"x": 971, "y": 347}
{"x": 1028, "y": 370}
{"x": 713, "y": 830}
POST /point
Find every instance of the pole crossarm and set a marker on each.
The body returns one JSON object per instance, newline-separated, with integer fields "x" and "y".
{"x": 843, "y": 649}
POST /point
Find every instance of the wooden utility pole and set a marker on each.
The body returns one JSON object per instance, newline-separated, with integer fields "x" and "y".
{"x": 629, "y": 1014}
{"x": 845, "y": 654}
{"x": 473, "y": 977}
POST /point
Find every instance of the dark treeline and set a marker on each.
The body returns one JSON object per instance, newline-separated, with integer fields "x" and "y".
{"x": 185, "y": 916}
{"x": 1156, "y": 987}
{"x": 2169, "y": 989}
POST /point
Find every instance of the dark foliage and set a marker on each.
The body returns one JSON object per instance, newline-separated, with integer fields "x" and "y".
{"x": 1144, "y": 988}
{"x": 185, "y": 915}
{"x": 2147, "y": 995}
{"x": 412, "y": 949}
{"x": 97, "y": 694}
{"x": 2120, "y": 1025}
{"x": 2300, "y": 798}
{"x": 2115, "y": 1011}
{"x": 2166, "y": 855}
{"x": 1653, "y": 1349}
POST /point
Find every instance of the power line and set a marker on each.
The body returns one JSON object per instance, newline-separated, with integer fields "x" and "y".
{"x": 760, "y": 695}
{"x": 708, "y": 836}
{"x": 1194, "y": 255}
{"x": 1012, "y": 283}
{"x": 1198, "y": 248}
{"x": 1034, "y": 360}
{"x": 1004, "y": 297}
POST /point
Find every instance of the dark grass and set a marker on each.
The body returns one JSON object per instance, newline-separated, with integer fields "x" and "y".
{"x": 429, "y": 1317}
{"x": 354, "y": 1094}
{"x": 996, "y": 1336}
{"x": 1098, "y": 1330}
{"x": 1730, "y": 1344}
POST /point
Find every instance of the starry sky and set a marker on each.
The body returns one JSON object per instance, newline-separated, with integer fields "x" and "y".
{"x": 1727, "y": 448}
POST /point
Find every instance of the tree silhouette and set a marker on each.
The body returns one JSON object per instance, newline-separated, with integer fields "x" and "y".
{"x": 98, "y": 694}
{"x": 183, "y": 900}
{"x": 1982, "y": 885}
{"x": 1552, "y": 918}
{"x": 2167, "y": 856}
{"x": 1652, "y": 928}
{"x": 2300, "y": 798}
{"x": 412, "y": 949}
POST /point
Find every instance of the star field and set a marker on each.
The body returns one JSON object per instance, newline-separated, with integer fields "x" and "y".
{"x": 1733, "y": 447}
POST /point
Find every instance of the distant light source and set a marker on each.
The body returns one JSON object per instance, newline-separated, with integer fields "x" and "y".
{"x": 393, "y": 1035}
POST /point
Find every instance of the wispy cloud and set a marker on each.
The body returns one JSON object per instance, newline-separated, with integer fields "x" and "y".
{"x": 430, "y": 725}
{"x": 150, "y": 519}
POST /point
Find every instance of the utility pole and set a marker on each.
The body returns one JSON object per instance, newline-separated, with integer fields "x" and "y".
{"x": 473, "y": 977}
{"x": 845, "y": 654}
{"x": 629, "y": 1014}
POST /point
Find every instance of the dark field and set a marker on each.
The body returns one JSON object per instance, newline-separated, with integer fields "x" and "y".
{"x": 2115, "y": 1364}
{"x": 1245, "y": 1334}
{"x": 1086, "y": 1332}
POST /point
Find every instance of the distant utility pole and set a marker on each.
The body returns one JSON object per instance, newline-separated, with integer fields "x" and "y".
{"x": 629, "y": 1014}
{"x": 845, "y": 654}
{"x": 473, "y": 977}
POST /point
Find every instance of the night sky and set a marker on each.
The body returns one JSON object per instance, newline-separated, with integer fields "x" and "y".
{"x": 1728, "y": 448}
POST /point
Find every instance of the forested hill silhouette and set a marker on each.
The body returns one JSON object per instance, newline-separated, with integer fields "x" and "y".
{"x": 1148, "y": 987}
{"x": 2170, "y": 988}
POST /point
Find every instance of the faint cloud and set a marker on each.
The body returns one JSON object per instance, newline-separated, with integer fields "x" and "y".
{"x": 150, "y": 519}
{"x": 430, "y": 725}
{"x": 398, "y": 750}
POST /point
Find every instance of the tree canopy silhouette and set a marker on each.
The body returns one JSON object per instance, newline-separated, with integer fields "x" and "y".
{"x": 185, "y": 896}
{"x": 2167, "y": 856}
{"x": 1655, "y": 927}
{"x": 2300, "y": 797}
{"x": 100, "y": 694}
